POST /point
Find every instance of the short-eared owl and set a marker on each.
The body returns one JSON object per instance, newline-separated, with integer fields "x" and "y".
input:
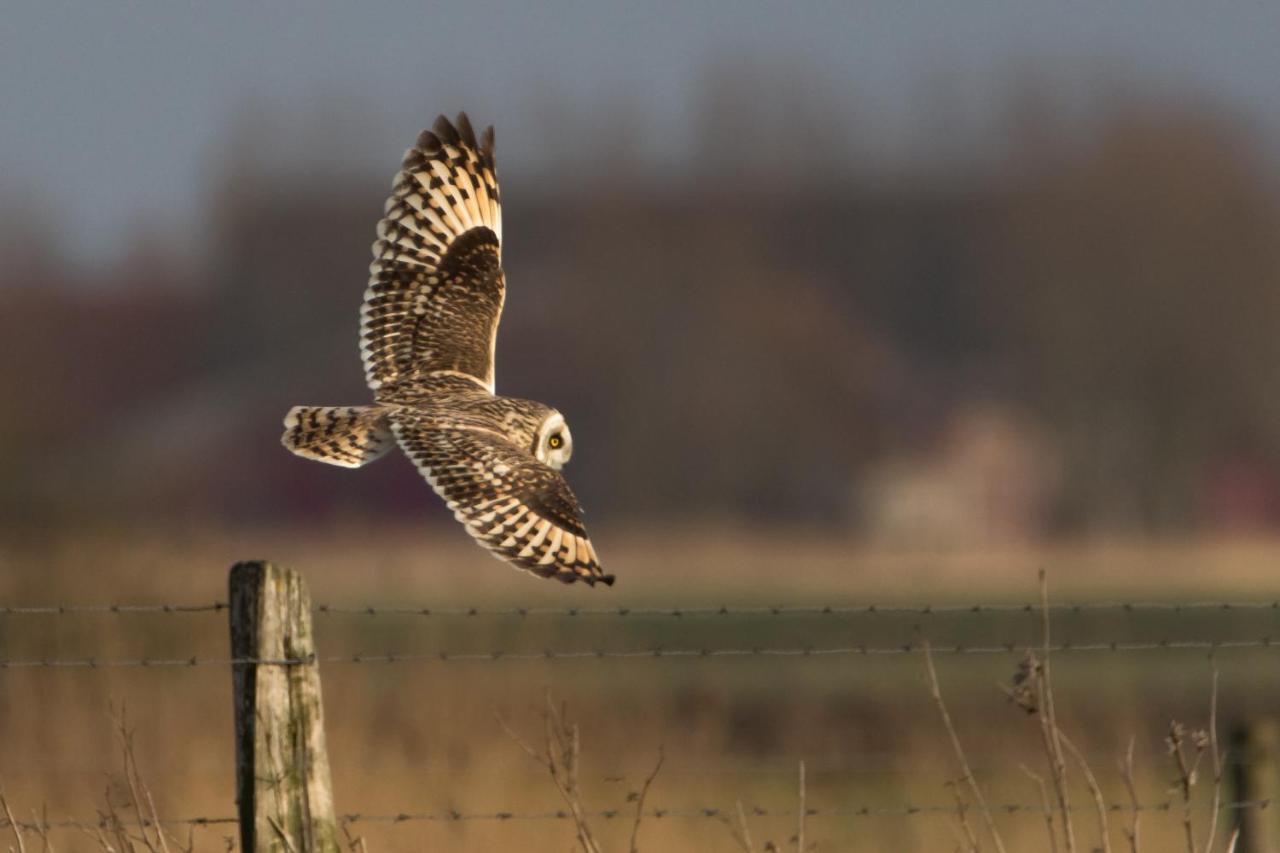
{"x": 427, "y": 330}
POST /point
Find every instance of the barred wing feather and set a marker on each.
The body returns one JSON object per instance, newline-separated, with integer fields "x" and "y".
{"x": 436, "y": 286}
{"x": 520, "y": 509}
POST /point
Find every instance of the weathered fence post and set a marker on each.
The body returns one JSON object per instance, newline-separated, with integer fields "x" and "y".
{"x": 1255, "y": 751}
{"x": 283, "y": 793}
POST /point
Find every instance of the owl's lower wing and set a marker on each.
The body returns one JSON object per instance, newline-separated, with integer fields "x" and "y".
{"x": 518, "y": 508}
{"x": 436, "y": 286}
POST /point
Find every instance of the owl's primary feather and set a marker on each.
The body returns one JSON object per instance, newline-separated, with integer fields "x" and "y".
{"x": 427, "y": 331}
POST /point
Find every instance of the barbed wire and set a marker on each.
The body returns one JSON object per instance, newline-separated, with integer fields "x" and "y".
{"x": 653, "y": 652}
{"x": 906, "y": 810}
{"x": 68, "y": 609}
{"x": 881, "y": 765}
{"x": 673, "y": 612}
{"x": 803, "y": 610}
{"x": 158, "y": 663}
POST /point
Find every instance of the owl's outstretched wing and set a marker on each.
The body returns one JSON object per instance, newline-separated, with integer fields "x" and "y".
{"x": 436, "y": 285}
{"x": 518, "y": 508}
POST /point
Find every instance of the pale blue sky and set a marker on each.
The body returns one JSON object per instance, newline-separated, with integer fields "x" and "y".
{"x": 116, "y": 113}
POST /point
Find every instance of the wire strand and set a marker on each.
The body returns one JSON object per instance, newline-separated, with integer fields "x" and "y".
{"x": 906, "y": 810}
{"x": 671, "y": 612}
{"x": 802, "y": 610}
{"x": 70, "y": 609}
{"x": 655, "y": 652}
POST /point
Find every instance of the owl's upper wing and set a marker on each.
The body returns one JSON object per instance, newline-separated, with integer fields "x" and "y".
{"x": 436, "y": 285}
{"x": 518, "y": 508}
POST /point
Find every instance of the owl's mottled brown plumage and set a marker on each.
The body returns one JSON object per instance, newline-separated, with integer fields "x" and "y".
{"x": 517, "y": 507}
{"x": 427, "y": 332}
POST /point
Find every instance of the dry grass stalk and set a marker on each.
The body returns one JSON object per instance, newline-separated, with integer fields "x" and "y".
{"x": 962, "y": 844}
{"x": 42, "y": 826}
{"x": 936, "y": 691}
{"x": 139, "y": 806}
{"x": 560, "y": 756}
{"x": 1050, "y": 734}
{"x": 740, "y": 833}
{"x": 742, "y": 836}
{"x": 803, "y": 809}
{"x": 1215, "y": 755}
{"x": 355, "y": 843}
{"x": 13, "y": 824}
{"x": 1100, "y": 804}
{"x": 965, "y": 831}
{"x": 1200, "y": 742}
{"x": 1126, "y": 772}
{"x": 1044, "y": 804}
{"x": 1033, "y": 691}
{"x": 39, "y": 826}
{"x": 1187, "y": 768}
{"x": 639, "y": 800}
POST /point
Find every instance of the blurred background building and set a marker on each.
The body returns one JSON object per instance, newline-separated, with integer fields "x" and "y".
{"x": 976, "y": 276}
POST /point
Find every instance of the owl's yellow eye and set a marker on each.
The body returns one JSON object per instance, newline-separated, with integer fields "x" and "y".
{"x": 554, "y": 442}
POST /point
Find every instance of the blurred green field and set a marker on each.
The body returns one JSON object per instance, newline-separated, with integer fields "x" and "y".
{"x": 423, "y": 736}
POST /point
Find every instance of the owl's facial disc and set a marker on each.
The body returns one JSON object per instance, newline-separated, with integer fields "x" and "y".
{"x": 554, "y": 445}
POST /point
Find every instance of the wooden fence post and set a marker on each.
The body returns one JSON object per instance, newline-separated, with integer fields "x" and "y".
{"x": 1255, "y": 751}
{"x": 283, "y": 794}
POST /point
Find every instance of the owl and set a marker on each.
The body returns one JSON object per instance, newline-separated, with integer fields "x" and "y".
{"x": 427, "y": 331}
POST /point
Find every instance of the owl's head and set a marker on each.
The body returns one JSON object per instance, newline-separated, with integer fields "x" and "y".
{"x": 553, "y": 444}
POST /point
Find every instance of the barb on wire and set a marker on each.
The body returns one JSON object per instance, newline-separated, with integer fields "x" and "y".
{"x": 671, "y": 612}
{"x": 906, "y": 810}
{"x": 653, "y": 653}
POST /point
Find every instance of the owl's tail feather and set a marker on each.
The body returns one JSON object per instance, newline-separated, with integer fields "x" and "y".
{"x": 349, "y": 436}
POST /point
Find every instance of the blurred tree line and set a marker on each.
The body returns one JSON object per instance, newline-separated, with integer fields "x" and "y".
{"x": 767, "y": 332}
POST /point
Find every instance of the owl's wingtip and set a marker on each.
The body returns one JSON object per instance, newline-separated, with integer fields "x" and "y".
{"x": 590, "y": 578}
{"x": 460, "y": 131}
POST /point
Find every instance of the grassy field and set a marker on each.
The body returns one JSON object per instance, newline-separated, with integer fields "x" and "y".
{"x": 424, "y": 736}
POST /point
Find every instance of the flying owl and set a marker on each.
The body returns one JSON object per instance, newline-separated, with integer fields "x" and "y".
{"x": 427, "y": 331}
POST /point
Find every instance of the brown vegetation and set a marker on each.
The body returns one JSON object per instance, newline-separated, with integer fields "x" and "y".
{"x": 1033, "y": 692}
{"x": 420, "y": 737}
